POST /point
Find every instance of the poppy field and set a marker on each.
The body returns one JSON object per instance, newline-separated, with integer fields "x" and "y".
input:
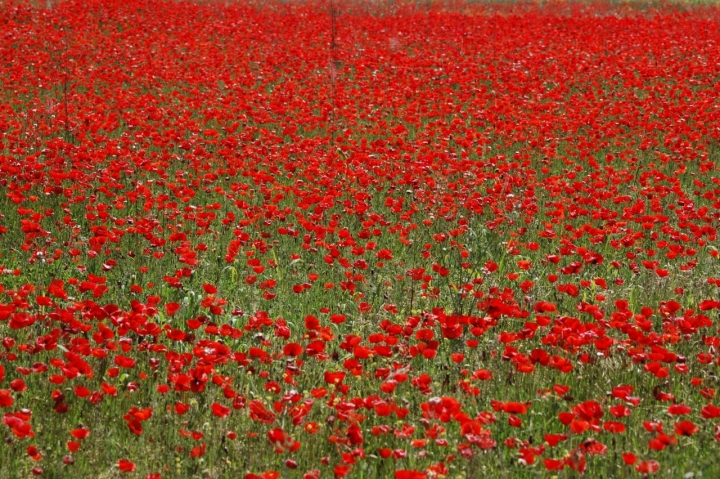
{"x": 359, "y": 239}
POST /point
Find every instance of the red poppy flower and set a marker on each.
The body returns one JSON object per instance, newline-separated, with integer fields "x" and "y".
{"x": 648, "y": 467}
{"x": 126, "y": 466}
{"x": 219, "y": 410}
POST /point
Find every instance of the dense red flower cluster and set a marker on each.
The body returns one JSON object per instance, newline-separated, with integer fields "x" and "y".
{"x": 316, "y": 240}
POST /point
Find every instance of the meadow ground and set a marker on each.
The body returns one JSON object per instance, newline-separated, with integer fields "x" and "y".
{"x": 367, "y": 239}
